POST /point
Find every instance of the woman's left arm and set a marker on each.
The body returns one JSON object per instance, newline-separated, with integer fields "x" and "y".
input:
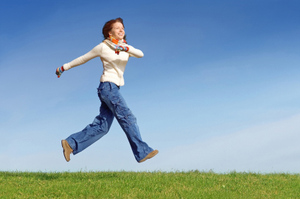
{"x": 134, "y": 52}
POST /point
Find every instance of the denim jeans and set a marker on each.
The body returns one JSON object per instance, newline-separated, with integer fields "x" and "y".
{"x": 112, "y": 105}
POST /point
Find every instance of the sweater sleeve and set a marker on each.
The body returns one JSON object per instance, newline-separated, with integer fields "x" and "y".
{"x": 95, "y": 52}
{"x": 134, "y": 52}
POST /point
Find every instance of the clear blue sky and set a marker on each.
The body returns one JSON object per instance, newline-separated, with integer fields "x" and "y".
{"x": 217, "y": 89}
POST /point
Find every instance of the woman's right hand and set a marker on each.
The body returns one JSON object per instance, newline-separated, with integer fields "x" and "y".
{"x": 59, "y": 71}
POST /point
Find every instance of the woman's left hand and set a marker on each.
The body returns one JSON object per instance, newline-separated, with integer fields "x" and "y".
{"x": 120, "y": 48}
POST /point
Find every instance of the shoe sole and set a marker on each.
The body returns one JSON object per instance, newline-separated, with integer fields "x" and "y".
{"x": 150, "y": 155}
{"x": 66, "y": 150}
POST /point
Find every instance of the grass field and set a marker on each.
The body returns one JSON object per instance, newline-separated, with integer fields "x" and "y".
{"x": 192, "y": 184}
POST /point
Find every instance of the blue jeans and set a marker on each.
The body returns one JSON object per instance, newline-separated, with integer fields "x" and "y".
{"x": 112, "y": 105}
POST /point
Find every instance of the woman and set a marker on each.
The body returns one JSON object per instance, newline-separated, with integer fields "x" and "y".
{"x": 114, "y": 53}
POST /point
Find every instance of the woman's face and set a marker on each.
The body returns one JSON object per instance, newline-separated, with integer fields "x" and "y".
{"x": 117, "y": 31}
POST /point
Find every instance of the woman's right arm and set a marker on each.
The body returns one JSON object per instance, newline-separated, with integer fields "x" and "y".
{"x": 95, "y": 52}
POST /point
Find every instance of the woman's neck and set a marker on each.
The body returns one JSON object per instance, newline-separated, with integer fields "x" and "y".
{"x": 116, "y": 41}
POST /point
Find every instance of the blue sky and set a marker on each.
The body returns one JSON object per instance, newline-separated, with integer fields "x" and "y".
{"x": 217, "y": 89}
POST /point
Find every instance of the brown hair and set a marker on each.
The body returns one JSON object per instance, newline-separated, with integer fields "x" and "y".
{"x": 108, "y": 26}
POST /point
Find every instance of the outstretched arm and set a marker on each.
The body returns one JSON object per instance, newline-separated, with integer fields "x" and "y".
{"x": 95, "y": 52}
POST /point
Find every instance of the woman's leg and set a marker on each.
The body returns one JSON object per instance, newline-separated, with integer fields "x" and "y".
{"x": 109, "y": 93}
{"x": 93, "y": 132}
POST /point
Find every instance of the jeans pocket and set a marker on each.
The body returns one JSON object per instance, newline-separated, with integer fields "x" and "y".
{"x": 123, "y": 113}
{"x": 103, "y": 89}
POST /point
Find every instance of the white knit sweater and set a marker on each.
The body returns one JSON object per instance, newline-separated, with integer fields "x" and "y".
{"x": 113, "y": 64}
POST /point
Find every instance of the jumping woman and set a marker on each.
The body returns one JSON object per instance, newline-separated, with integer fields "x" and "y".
{"x": 114, "y": 53}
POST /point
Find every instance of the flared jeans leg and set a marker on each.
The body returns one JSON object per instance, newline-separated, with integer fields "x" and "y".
{"x": 92, "y": 132}
{"x": 113, "y": 105}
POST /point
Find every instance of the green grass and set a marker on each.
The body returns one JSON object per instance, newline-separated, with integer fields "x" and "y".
{"x": 192, "y": 184}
